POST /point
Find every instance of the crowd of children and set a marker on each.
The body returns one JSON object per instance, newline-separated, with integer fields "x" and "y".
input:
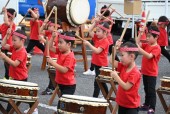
{"x": 44, "y": 33}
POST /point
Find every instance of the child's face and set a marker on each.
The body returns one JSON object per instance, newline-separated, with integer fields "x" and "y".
{"x": 51, "y": 28}
{"x": 100, "y": 33}
{"x": 63, "y": 46}
{"x": 126, "y": 58}
{"x": 151, "y": 40}
{"x": 17, "y": 42}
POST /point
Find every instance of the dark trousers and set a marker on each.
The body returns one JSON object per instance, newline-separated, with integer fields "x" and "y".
{"x": 66, "y": 89}
{"x": 6, "y": 65}
{"x": 50, "y": 85}
{"x": 9, "y": 107}
{"x": 92, "y": 67}
{"x": 165, "y": 53}
{"x": 33, "y": 43}
{"x": 96, "y": 87}
{"x": 123, "y": 110}
{"x": 150, "y": 92}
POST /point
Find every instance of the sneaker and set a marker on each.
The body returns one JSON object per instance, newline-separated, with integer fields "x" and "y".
{"x": 88, "y": 72}
{"x": 93, "y": 73}
{"x": 35, "y": 111}
{"x": 143, "y": 107}
{"x": 47, "y": 91}
{"x": 151, "y": 111}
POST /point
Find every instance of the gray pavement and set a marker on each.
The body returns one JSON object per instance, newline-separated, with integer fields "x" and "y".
{"x": 84, "y": 84}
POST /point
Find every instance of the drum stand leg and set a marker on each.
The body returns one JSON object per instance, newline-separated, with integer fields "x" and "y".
{"x": 112, "y": 89}
{"x": 160, "y": 93}
{"x": 14, "y": 106}
{"x": 12, "y": 110}
{"x": 35, "y": 105}
{"x": 56, "y": 91}
{"x": 3, "y": 110}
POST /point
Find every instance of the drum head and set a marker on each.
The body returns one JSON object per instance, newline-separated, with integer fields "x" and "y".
{"x": 79, "y": 11}
{"x": 84, "y": 98}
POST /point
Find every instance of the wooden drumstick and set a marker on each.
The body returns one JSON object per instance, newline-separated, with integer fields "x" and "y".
{"x": 23, "y": 18}
{"x": 79, "y": 37}
{"x": 12, "y": 22}
{"x": 51, "y": 12}
{"x": 114, "y": 10}
{"x": 55, "y": 18}
{"x": 136, "y": 32}
{"x": 124, "y": 30}
{"x": 113, "y": 57}
{"x": 106, "y": 18}
{"x": 5, "y": 5}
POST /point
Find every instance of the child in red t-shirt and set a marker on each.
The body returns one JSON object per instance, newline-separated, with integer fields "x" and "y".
{"x": 163, "y": 37}
{"x": 9, "y": 15}
{"x": 65, "y": 76}
{"x": 35, "y": 25}
{"x": 48, "y": 33}
{"x": 127, "y": 96}
{"x": 151, "y": 55}
{"x": 17, "y": 62}
{"x": 100, "y": 50}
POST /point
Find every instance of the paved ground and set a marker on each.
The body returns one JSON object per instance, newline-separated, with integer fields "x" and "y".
{"x": 84, "y": 84}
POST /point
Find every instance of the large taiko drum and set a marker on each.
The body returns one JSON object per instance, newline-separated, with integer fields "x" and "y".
{"x": 73, "y": 12}
{"x": 105, "y": 72}
{"x": 18, "y": 90}
{"x": 71, "y": 104}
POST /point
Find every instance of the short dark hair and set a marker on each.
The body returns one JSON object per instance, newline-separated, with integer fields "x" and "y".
{"x": 12, "y": 11}
{"x": 105, "y": 25}
{"x": 21, "y": 32}
{"x": 71, "y": 34}
{"x": 131, "y": 45}
{"x": 107, "y": 13}
{"x": 163, "y": 19}
{"x": 154, "y": 28}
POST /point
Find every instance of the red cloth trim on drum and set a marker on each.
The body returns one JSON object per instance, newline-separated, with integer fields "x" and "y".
{"x": 19, "y": 35}
{"x": 128, "y": 49}
{"x": 66, "y": 37}
{"x": 100, "y": 26}
{"x": 9, "y": 14}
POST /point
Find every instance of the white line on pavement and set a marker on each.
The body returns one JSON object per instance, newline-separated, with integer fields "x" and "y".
{"x": 48, "y": 107}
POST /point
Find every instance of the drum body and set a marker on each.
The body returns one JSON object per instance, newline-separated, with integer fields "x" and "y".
{"x": 73, "y": 12}
{"x": 18, "y": 90}
{"x": 105, "y": 72}
{"x": 82, "y": 104}
{"x": 52, "y": 73}
{"x": 165, "y": 84}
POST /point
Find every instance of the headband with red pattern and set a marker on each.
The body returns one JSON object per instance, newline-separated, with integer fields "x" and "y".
{"x": 53, "y": 24}
{"x": 19, "y": 35}
{"x": 9, "y": 14}
{"x": 128, "y": 49}
{"x": 35, "y": 9}
{"x": 103, "y": 28}
{"x": 154, "y": 32}
{"x": 166, "y": 23}
{"x": 66, "y": 37}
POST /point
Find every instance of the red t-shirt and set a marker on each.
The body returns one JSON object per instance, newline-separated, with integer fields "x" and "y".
{"x": 34, "y": 32}
{"x": 55, "y": 43}
{"x": 20, "y": 72}
{"x": 101, "y": 58}
{"x": 150, "y": 66}
{"x": 129, "y": 98}
{"x": 163, "y": 37}
{"x": 3, "y": 31}
{"x": 68, "y": 61}
{"x": 110, "y": 39}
